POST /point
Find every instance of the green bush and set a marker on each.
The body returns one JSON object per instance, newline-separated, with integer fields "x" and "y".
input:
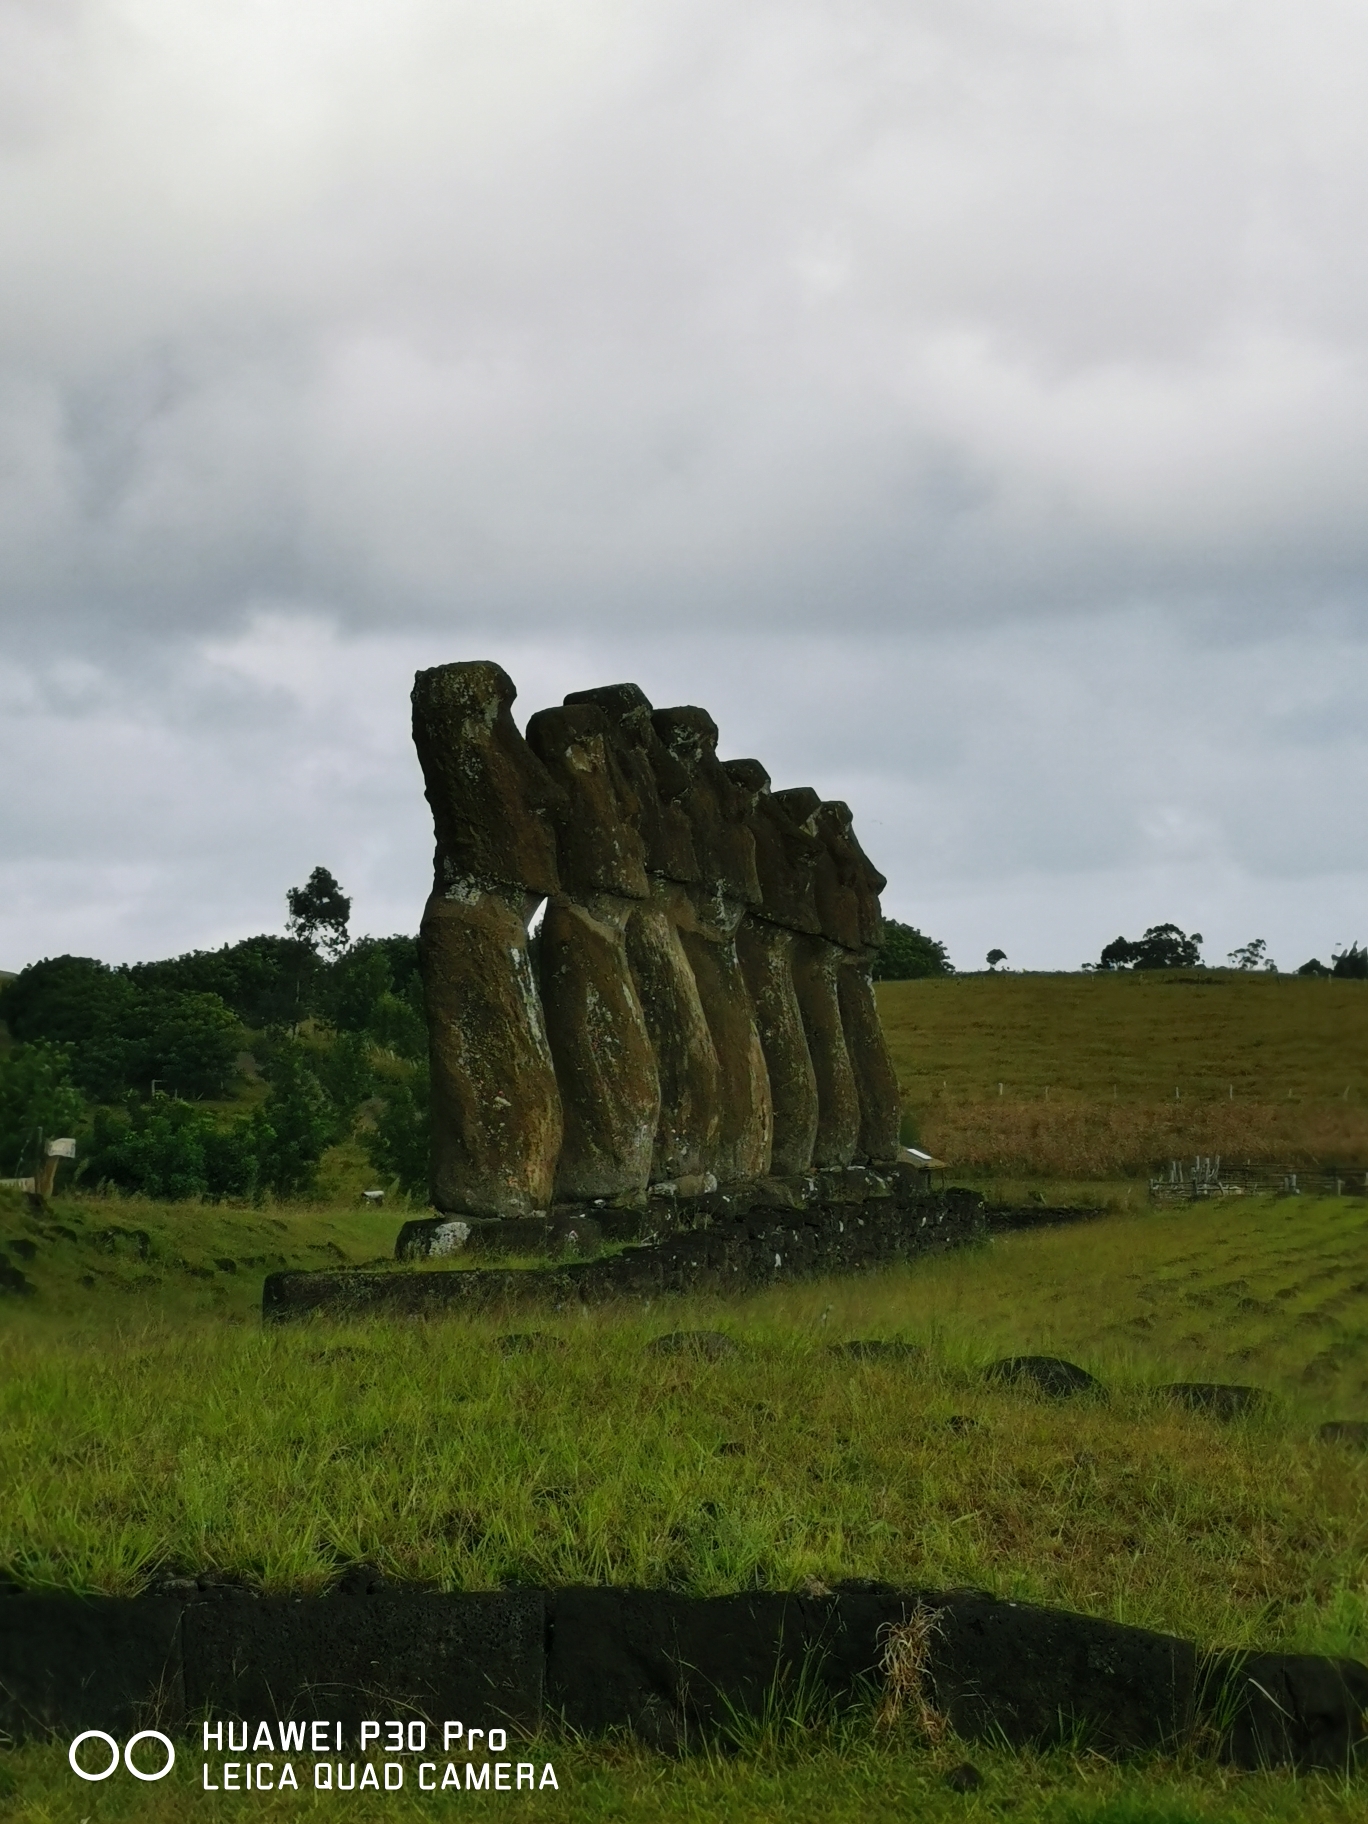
{"x": 399, "y": 1146}
{"x": 38, "y": 1102}
{"x": 907, "y": 954}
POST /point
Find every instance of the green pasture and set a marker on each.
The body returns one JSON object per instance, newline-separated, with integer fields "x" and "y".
{"x": 146, "y": 1436}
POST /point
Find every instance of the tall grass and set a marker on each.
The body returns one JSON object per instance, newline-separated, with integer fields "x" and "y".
{"x": 278, "y": 1455}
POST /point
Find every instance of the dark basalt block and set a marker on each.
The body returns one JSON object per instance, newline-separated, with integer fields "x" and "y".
{"x": 711, "y": 1345}
{"x": 1045, "y": 1374}
{"x": 479, "y": 1657}
{"x": 1353, "y": 1432}
{"x": 1041, "y": 1677}
{"x": 69, "y": 1663}
{"x": 1220, "y": 1402}
{"x": 1287, "y": 1709}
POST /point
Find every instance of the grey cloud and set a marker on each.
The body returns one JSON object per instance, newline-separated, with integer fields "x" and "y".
{"x": 966, "y": 402}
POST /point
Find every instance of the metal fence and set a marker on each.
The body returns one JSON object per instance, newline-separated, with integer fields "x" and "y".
{"x": 1209, "y": 1176}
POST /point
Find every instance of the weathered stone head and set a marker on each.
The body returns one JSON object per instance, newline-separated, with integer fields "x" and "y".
{"x": 599, "y": 850}
{"x": 838, "y": 911}
{"x": 490, "y": 795}
{"x": 653, "y": 779}
{"x": 716, "y": 806}
{"x": 858, "y": 875}
{"x": 786, "y": 854}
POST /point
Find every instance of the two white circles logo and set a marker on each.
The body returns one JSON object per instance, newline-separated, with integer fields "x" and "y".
{"x": 143, "y": 1735}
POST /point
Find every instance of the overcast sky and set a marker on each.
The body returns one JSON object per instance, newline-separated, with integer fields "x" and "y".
{"x": 967, "y": 402}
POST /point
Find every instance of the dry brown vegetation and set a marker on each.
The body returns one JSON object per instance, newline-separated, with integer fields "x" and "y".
{"x": 1090, "y": 1077}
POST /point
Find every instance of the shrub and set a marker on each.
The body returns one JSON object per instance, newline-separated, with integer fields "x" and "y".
{"x": 400, "y": 1145}
{"x": 907, "y": 954}
{"x": 38, "y": 1101}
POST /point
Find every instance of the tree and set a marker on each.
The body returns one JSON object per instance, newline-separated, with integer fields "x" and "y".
{"x": 1351, "y": 963}
{"x": 38, "y": 1102}
{"x": 124, "y": 1027}
{"x": 400, "y": 1145}
{"x": 994, "y": 957}
{"x": 1253, "y": 955}
{"x": 319, "y": 913}
{"x": 1314, "y": 966}
{"x": 907, "y": 954}
{"x": 1162, "y": 947}
{"x": 301, "y": 1122}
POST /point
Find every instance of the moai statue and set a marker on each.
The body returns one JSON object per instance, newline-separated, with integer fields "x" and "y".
{"x": 496, "y": 1111}
{"x": 817, "y": 963}
{"x": 876, "y": 1079}
{"x": 610, "y": 1091}
{"x": 650, "y": 782}
{"x": 786, "y": 857}
{"x": 717, "y": 810}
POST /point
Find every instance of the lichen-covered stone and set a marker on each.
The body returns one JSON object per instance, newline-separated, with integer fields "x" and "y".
{"x": 652, "y": 780}
{"x": 686, "y": 1058}
{"x": 876, "y": 1079}
{"x": 496, "y": 1114}
{"x": 605, "y": 1065}
{"x": 718, "y": 808}
{"x": 489, "y": 794}
{"x": 598, "y": 848}
{"x": 817, "y": 964}
{"x": 766, "y": 955}
{"x": 653, "y": 784}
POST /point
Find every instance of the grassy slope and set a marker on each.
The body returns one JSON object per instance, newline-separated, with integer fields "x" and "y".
{"x": 1266, "y": 1068}
{"x": 420, "y": 1446}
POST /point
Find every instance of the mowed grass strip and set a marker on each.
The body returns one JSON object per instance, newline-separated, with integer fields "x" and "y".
{"x": 279, "y": 1454}
{"x": 1105, "y": 1075}
{"x": 800, "y": 1771}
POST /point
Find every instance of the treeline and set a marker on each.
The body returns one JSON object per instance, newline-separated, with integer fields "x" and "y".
{"x": 146, "y": 1064}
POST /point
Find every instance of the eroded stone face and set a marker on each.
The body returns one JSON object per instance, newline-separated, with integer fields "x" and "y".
{"x": 652, "y": 780}
{"x": 599, "y": 849}
{"x": 717, "y": 808}
{"x": 490, "y": 796}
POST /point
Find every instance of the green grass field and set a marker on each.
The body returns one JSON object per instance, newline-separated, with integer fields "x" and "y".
{"x": 148, "y": 1424}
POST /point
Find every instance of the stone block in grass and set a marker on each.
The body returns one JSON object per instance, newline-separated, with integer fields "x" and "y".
{"x": 1047, "y": 1374}
{"x": 68, "y": 1663}
{"x": 1218, "y": 1401}
{"x": 710, "y": 1345}
{"x": 1287, "y": 1709}
{"x": 1353, "y": 1432}
{"x": 478, "y": 1657}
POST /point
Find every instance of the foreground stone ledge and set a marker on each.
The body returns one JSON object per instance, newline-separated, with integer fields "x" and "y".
{"x": 673, "y": 1669}
{"x": 735, "y": 1252}
{"x": 720, "y": 1246}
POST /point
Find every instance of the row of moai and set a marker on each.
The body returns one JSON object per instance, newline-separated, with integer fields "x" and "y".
{"x": 697, "y": 1002}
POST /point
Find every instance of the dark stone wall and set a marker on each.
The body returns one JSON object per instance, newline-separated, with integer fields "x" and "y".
{"x": 725, "y": 1245}
{"x": 671, "y": 1668}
